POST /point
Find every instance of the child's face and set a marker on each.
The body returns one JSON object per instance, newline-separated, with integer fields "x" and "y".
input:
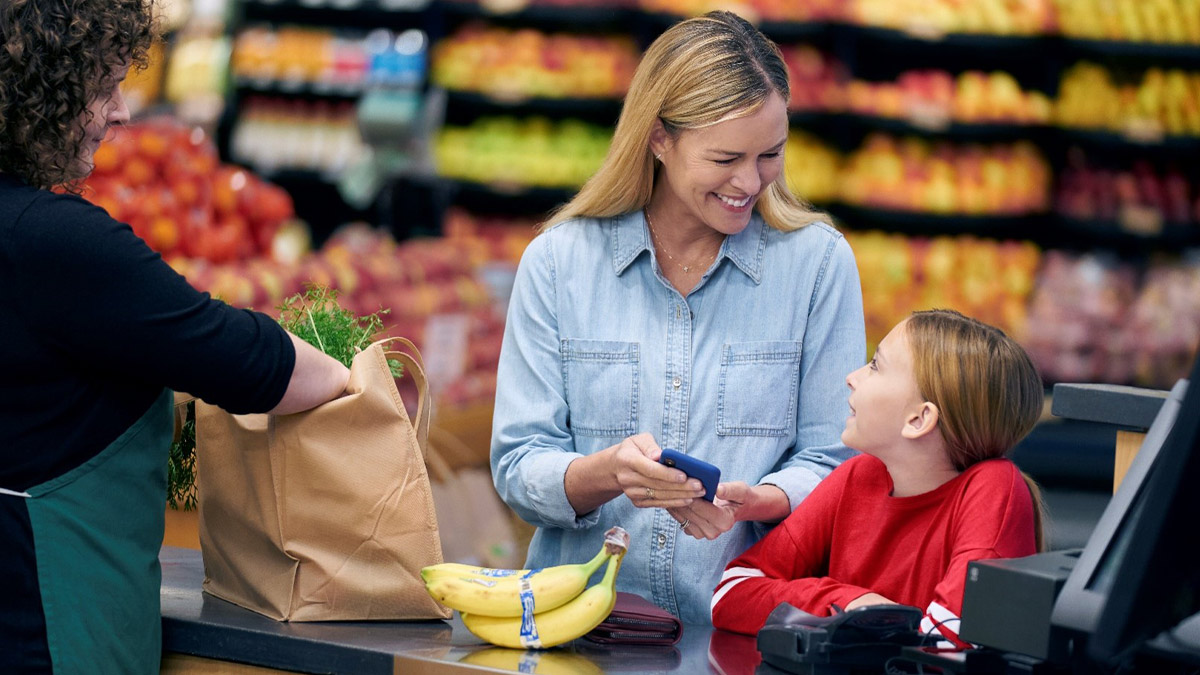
{"x": 883, "y": 395}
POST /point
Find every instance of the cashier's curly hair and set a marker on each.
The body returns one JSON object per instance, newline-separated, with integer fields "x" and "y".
{"x": 56, "y": 56}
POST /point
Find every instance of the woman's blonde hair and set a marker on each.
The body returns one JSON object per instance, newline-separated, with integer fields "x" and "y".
{"x": 699, "y": 72}
{"x": 987, "y": 390}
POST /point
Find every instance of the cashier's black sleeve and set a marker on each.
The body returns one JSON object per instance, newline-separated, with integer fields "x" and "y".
{"x": 90, "y": 288}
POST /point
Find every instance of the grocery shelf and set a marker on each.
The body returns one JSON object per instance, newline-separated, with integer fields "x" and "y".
{"x": 607, "y": 109}
{"x": 366, "y": 13}
{"x": 934, "y": 127}
{"x": 505, "y": 197}
{"x": 1138, "y": 140}
{"x": 345, "y": 92}
{"x": 1183, "y": 53}
{"x": 978, "y": 41}
{"x": 589, "y": 18}
{"x": 1124, "y": 234}
{"x": 930, "y": 224}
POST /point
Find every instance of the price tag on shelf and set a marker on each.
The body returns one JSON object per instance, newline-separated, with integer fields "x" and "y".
{"x": 922, "y": 29}
{"x": 445, "y": 348}
{"x": 1144, "y": 130}
{"x": 503, "y": 6}
{"x": 928, "y": 116}
{"x": 1141, "y": 220}
{"x": 506, "y": 95}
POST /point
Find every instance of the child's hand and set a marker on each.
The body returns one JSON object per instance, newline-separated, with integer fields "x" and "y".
{"x": 868, "y": 600}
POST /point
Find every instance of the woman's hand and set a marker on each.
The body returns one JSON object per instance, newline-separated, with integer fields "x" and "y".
{"x": 631, "y": 468}
{"x": 647, "y": 483}
{"x": 734, "y": 501}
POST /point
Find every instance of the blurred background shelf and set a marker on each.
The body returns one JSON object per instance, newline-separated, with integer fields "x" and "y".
{"x": 334, "y": 91}
{"x": 926, "y": 224}
{"x": 601, "y": 110}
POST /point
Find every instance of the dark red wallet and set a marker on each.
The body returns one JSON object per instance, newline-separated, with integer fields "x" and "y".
{"x": 637, "y": 621}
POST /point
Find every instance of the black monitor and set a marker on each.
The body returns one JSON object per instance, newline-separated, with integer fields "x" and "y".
{"x": 1139, "y": 575}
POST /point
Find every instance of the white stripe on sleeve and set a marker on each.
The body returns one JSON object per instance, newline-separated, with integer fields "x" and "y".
{"x": 735, "y": 576}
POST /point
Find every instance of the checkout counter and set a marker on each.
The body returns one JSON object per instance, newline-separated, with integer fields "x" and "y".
{"x": 203, "y": 634}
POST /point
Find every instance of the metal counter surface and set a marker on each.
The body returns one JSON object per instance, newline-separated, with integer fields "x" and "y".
{"x": 208, "y": 627}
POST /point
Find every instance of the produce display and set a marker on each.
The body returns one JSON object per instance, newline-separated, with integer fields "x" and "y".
{"x": 812, "y": 168}
{"x": 1155, "y": 103}
{"x": 503, "y": 238}
{"x": 986, "y": 279}
{"x": 165, "y": 181}
{"x": 941, "y": 178}
{"x": 534, "y": 151}
{"x": 1092, "y": 321}
{"x": 1157, "y": 21}
{"x": 1140, "y": 196}
{"x": 934, "y": 98}
{"x": 271, "y": 134}
{"x": 933, "y": 18}
{"x": 1164, "y": 323}
{"x": 1077, "y": 318}
{"x": 817, "y": 80}
{"x": 420, "y": 281}
{"x": 531, "y": 608}
{"x": 508, "y": 64}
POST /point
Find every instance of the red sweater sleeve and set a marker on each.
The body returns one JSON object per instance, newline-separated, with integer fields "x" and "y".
{"x": 994, "y": 520}
{"x": 788, "y": 565}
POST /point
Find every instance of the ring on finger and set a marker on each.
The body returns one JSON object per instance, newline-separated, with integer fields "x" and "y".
{"x": 649, "y": 493}
{"x": 684, "y": 524}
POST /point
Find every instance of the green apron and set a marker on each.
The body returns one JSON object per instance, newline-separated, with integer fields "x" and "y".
{"x": 97, "y": 531}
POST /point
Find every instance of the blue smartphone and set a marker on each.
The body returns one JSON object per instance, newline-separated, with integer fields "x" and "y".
{"x": 706, "y": 473}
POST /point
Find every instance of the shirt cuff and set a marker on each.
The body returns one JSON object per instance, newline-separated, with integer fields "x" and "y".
{"x": 796, "y": 482}
{"x": 547, "y": 493}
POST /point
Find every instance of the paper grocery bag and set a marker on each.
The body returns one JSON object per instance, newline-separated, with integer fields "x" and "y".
{"x": 326, "y": 514}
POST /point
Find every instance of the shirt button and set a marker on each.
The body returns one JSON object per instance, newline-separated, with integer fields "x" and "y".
{"x": 676, "y": 381}
{"x": 662, "y": 540}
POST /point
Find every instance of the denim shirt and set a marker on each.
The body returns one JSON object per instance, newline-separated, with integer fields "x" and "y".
{"x": 747, "y": 372}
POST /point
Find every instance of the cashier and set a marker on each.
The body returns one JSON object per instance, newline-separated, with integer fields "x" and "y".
{"x": 95, "y": 332}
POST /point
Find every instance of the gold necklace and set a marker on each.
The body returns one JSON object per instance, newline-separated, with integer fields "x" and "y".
{"x": 687, "y": 269}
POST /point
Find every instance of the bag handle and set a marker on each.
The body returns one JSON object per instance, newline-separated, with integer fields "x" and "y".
{"x": 411, "y": 359}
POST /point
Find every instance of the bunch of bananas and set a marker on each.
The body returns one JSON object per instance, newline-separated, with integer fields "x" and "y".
{"x": 531, "y": 608}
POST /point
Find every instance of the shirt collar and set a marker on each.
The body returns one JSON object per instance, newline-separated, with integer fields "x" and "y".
{"x": 630, "y": 237}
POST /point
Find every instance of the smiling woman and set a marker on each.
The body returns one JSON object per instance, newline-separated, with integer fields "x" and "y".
{"x": 683, "y": 299}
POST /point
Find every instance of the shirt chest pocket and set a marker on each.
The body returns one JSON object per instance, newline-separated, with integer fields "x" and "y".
{"x": 758, "y": 388}
{"x": 601, "y": 378}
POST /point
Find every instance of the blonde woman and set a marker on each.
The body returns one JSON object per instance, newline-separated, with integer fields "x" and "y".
{"x": 943, "y": 400}
{"x": 684, "y": 299}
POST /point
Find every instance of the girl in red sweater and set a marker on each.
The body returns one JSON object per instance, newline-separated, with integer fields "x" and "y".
{"x": 933, "y": 413}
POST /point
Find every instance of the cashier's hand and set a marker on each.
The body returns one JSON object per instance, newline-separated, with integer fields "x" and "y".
{"x": 734, "y": 501}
